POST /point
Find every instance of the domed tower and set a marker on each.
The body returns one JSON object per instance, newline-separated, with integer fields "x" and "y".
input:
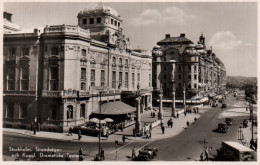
{"x": 101, "y": 20}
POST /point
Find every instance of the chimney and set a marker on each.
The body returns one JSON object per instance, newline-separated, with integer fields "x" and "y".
{"x": 182, "y": 35}
{"x": 167, "y": 36}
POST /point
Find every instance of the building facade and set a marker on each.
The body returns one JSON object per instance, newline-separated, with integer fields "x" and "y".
{"x": 180, "y": 65}
{"x": 8, "y": 25}
{"x": 56, "y": 75}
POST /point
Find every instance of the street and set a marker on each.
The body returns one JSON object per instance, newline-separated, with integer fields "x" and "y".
{"x": 186, "y": 146}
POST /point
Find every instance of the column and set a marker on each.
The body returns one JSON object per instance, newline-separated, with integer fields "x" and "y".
{"x": 184, "y": 97}
{"x": 158, "y": 83}
{"x": 138, "y": 116}
{"x": 160, "y": 117}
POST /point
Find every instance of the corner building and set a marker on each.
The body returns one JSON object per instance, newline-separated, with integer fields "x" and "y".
{"x": 56, "y": 75}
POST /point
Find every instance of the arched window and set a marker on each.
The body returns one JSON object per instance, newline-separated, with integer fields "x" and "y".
{"x": 126, "y": 62}
{"x": 69, "y": 112}
{"x": 120, "y": 61}
{"x": 189, "y": 86}
{"x": 114, "y": 59}
{"x": 195, "y": 85}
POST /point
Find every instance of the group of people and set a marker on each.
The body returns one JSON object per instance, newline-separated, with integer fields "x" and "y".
{"x": 189, "y": 110}
{"x": 207, "y": 154}
{"x": 253, "y": 144}
{"x": 35, "y": 127}
{"x": 170, "y": 123}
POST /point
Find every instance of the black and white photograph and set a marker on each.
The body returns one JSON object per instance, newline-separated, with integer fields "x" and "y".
{"x": 129, "y": 81}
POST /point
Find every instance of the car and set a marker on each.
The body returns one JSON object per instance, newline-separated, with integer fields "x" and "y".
{"x": 229, "y": 121}
{"x": 222, "y": 127}
{"x": 224, "y": 105}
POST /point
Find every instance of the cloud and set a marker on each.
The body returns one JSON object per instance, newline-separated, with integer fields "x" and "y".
{"x": 153, "y": 16}
{"x": 249, "y": 44}
{"x": 225, "y": 40}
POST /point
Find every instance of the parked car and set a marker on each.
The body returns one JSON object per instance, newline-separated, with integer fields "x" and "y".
{"x": 147, "y": 153}
{"x": 229, "y": 121}
{"x": 222, "y": 127}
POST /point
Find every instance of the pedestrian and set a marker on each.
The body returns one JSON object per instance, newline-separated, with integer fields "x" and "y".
{"x": 67, "y": 157}
{"x": 79, "y": 135}
{"x": 177, "y": 115}
{"x": 188, "y": 123}
{"x": 70, "y": 132}
{"x": 201, "y": 157}
{"x": 102, "y": 155}
{"x": 34, "y": 129}
{"x": 171, "y": 124}
{"x": 38, "y": 126}
{"x": 168, "y": 123}
{"x": 32, "y": 126}
{"x": 252, "y": 143}
{"x": 123, "y": 139}
{"x": 163, "y": 129}
{"x": 184, "y": 113}
{"x": 81, "y": 154}
{"x": 133, "y": 153}
{"x": 150, "y": 134}
{"x": 151, "y": 127}
{"x": 195, "y": 119}
{"x": 206, "y": 154}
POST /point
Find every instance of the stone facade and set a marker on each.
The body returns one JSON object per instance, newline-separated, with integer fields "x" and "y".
{"x": 195, "y": 67}
{"x": 66, "y": 67}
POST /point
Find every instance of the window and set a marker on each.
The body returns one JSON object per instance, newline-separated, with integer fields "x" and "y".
{"x": 54, "y": 112}
{"x": 120, "y": 61}
{"x": 26, "y": 51}
{"x": 24, "y": 78}
{"x": 126, "y": 62}
{"x": 91, "y": 21}
{"x": 92, "y": 76}
{"x": 114, "y": 59}
{"x": 12, "y": 53}
{"x": 150, "y": 79}
{"x": 54, "y": 78}
{"x": 92, "y": 84}
{"x": 102, "y": 84}
{"x": 179, "y": 85}
{"x": 11, "y": 79}
{"x": 118, "y": 24}
{"x": 189, "y": 77}
{"x": 84, "y": 21}
{"x": 179, "y": 69}
{"x": 23, "y": 111}
{"x": 115, "y": 23}
{"x": 99, "y": 20}
{"x": 126, "y": 79}
{"x": 82, "y": 110}
{"x": 114, "y": 79}
{"x": 189, "y": 86}
{"x": 120, "y": 78}
{"x": 195, "y": 85}
{"x": 10, "y": 110}
{"x": 83, "y": 86}
{"x": 84, "y": 52}
{"x": 189, "y": 67}
{"x": 164, "y": 76}
{"x": 164, "y": 58}
{"x": 164, "y": 68}
{"x": 112, "y": 21}
{"x": 83, "y": 74}
{"x": 195, "y": 77}
{"x": 133, "y": 80}
{"x": 179, "y": 76}
{"x": 102, "y": 75}
{"x": 54, "y": 51}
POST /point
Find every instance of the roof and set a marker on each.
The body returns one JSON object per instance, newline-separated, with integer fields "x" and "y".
{"x": 174, "y": 40}
{"x": 115, "y": 108}
{"x": 237, "y": 145}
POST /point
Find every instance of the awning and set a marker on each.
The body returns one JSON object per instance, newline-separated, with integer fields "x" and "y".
{"x": 115, "y": 108}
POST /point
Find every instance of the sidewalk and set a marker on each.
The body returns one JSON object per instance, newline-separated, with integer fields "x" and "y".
{"x": 178, "y": 126}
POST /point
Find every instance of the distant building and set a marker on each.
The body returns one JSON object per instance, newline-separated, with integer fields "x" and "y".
{"x": 8, "y": 25}
{"x": 178, "y": 63}
{"x": 56, "y": 74}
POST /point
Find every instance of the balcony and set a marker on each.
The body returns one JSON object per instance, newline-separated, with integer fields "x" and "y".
{"x": 19, "y": 93}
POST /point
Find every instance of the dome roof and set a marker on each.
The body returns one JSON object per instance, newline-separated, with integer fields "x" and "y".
{"x": 100, "y": 8}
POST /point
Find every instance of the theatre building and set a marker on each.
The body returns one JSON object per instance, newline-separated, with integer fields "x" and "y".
{"x": 61, "y": 74}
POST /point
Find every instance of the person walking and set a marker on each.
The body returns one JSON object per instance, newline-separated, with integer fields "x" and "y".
{"x": 70, "y": 132}
{"x": 206, "y": 154}
{"x": 188, "y": 123}
{"x": 163, "y": 129}
{"x": 67, "y": 157}
{"x": 81, "y": 154}
{"x": 102, "y": 155}
{"x": 201, "y": 157}
{"x": 177, "y": 115}
{"x": 184, "y": 113}
{"x": 79, "y": 135}
{"x": 133, "y": 153}
{"x": 34, "y": 129}
{"x": 123, "y": 139}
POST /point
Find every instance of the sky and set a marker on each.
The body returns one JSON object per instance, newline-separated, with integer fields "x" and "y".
{"x": 229, "y": 27}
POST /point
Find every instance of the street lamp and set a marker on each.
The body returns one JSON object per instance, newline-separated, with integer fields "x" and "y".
{"x": 99, "y": 135}
{"x": 138, "y": 116}
{"x": 173, "y": 87}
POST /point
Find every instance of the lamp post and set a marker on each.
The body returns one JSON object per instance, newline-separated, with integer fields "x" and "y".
{"x": 173, "y": 87}
{"x": 138, "y": 116}
{"x": 99, "y": 134}
{"x": 160, "y": 117}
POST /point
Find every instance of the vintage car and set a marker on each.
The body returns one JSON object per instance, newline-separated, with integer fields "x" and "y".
{"x": 222, "y": 127}
{"x": 147, "y": 153}
{"x": 229, "y": 121}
